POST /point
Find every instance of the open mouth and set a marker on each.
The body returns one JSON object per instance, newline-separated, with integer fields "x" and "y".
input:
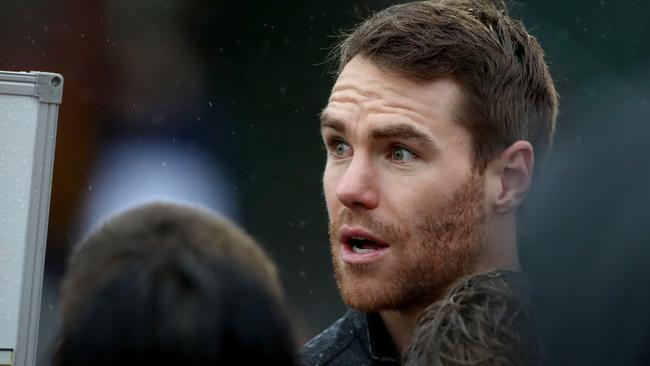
{"x": 360, "y": 246}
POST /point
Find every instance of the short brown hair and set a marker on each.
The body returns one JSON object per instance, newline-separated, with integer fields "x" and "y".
{"x": 509, "y": 93}
{"x": 158, "y": 227}
{"x": 484, "y": 320}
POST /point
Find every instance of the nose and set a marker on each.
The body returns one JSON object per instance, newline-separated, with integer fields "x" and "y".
{"x": 357, "y": 187}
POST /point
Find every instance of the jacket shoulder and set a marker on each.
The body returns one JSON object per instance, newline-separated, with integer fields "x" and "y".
{"x": 329, "y": 344}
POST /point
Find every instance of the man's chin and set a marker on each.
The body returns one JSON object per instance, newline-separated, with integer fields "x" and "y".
{"x": 368, "y": 295}
{"x": 365, "y": 303}
{"x": 367, "y": 288}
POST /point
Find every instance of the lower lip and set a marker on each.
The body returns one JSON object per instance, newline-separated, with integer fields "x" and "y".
{"x": 350, "y": 257}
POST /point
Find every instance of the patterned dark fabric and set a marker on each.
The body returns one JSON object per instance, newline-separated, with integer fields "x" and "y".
{"x": 357, "y": 339}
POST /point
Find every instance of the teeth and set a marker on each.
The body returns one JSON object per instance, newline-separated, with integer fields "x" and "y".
{"x": 359, "y": 238}
{"x": 358, "y": 250}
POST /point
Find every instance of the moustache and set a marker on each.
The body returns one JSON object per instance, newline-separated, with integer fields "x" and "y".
{"x": 390, "y": 233}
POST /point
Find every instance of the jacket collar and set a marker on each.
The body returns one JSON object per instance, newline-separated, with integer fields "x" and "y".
{"x": 376, "y": 339}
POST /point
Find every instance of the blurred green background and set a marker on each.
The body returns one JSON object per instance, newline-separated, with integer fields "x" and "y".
{"x": 242, "y": 82}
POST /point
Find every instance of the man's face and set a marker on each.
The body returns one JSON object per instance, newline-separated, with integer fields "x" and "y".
{"x": 404, "y": 202}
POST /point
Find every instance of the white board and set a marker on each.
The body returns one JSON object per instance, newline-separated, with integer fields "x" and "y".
{"x": 29, "y": 105}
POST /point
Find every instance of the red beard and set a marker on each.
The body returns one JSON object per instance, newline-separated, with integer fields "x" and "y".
{"x": 425, "y": 258}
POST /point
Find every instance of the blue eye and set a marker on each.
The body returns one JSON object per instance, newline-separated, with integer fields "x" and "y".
{"x": 402, "y": 154}
{"x": 341, "y": 149}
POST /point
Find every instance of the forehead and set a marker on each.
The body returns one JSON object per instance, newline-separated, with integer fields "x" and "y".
{"x": 364, "y": 90}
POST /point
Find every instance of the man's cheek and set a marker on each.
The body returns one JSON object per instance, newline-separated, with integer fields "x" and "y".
{"x": 329, "y": 190}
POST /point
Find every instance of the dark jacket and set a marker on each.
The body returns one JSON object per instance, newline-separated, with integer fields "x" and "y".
{"x": 357, "y": 339}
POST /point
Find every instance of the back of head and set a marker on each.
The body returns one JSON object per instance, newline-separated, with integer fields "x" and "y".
{"x": 178, "y": 308}
{"x": 157, "y": 228}
{"x": 508, "y": 91}
{"x": 484, "y": 320}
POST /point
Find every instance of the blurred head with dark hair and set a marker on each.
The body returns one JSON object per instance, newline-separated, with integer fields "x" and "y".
{"x": 178, "y": 307}
{"x": 171, "y": 284}
{"x": 151, "y": 229}
{"x": 483, "y": 320}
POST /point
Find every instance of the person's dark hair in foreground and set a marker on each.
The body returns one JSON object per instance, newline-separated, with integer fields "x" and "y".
{"x": 484, "y": 320}
{"x": 167, "y": 283}
{"x": 177, "y": 307}
{"x": 150, "y": 229}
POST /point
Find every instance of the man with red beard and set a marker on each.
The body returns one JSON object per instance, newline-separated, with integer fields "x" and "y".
{"x": 431, "y": 131}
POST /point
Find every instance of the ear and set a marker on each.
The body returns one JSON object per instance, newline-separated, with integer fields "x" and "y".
{"x": 515, "y": 172}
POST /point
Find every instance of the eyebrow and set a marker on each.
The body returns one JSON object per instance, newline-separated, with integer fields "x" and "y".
{"x": 401, "y": 130}
{"x": 335, "y": 124}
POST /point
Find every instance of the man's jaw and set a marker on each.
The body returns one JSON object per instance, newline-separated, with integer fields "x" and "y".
{"x": 360, "y": 246}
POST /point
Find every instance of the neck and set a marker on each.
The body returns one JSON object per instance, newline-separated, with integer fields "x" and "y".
{"x": 400, "y": 325}
{"x": 500, "y": 249}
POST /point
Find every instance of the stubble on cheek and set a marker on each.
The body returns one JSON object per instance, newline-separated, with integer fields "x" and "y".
{"x": 450, "y": 242}
{"x": 424, "y": 260}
